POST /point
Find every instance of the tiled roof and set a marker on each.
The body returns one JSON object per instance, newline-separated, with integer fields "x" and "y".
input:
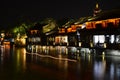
{"x": 107, "y": 15}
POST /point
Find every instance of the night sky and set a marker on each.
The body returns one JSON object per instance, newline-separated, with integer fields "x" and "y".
{"x": 14, "y": 12}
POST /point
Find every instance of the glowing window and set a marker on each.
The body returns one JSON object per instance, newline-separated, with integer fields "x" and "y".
{"x": 101, "y": 38}
{"x": 112, "y": 38}
{"x": 95, "y": 39}
{"x": 118, "y": 39}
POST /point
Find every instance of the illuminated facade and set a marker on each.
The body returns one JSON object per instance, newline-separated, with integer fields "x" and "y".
{"x": 6, "y": 39}
{"x": 68, "y": 36}
{"x": 34, "y": 37}
{"x": 102, "y": 33}
{"x": 103, "y": 23}
{"x": 91, "y": 34}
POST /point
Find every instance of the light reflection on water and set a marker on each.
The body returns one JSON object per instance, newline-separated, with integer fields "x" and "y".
{"x": 99, "y": 70}
{"x": 15, "y": 55}
{"x": 20, "y": 55}
{"x": 87, "y": 66}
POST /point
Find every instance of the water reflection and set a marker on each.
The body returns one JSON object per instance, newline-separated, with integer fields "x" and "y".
{"x": 1, "y": 54}
{"x": 57, "y": 64}
{"x": 20, "y": 55}
{"x": 114, "y": 67}
{"x": 13, "y": 55}
{"x": 4, "y": 53}
{"x": 99, "y": 70}
{"x": 112, "y": 71}
{"x": 63, "y": 64}
{"x": 96, "y": 62}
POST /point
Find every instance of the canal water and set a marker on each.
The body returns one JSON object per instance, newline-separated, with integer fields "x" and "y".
{"x": 17, "y": 64}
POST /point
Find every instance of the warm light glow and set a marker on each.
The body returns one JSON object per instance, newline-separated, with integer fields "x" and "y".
{"x": 24, "y": 58}
{"x": 103, "y": 56}
{"x": 104, "y": 24}
{"x": 44, "y": 47}
{"x": 34, "y": 31}
{"x": 64, "y": 59}
{"x": 73, "y": 28}
{"x": 91, "y": 25}
{"x": 83, "y": 26}
{"x": 6, "y": 43}
{"x": 62, "y": 30}
{"x": 80, "y": 44}
{"x": 57, "y": 39}
{"x": 111, "y": 21}
{"x": 89, "y": 58}
{"x": 61, "y": 39}
{"x": 3, "y": 35}
{"x": 98, "y": 22}
{"x": 105, "y": 46}
{"x": 79, "y": 26}
{"x": 69, "y": 30}
{"x": 18, "y": 35}
{"x": 91, "y": 44}
{"x": 23, "y": 41}
{"x": 97, "y": 5}
{"x": 60, "y": 56}
{"x": 2, "y": 39}
{"x": 103, "y": 53}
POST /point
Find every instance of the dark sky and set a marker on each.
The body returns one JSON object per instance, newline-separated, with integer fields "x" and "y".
{"x": 13, "y": 12}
